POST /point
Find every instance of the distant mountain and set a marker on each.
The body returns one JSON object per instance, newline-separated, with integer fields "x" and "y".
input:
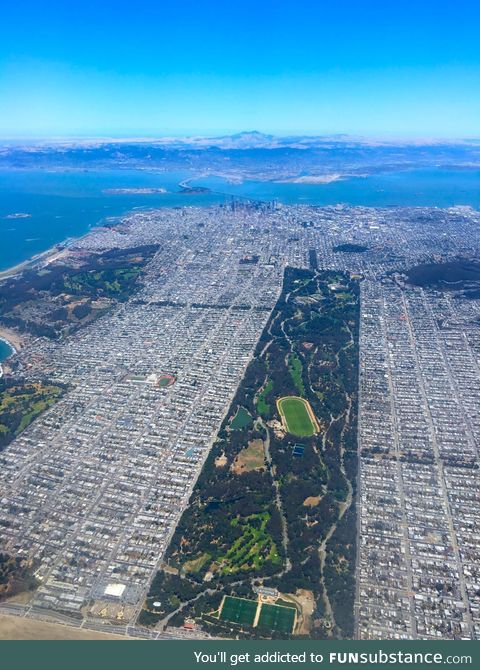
{"x": 247, "y": 140}
{"x": 247, "y": 155}
{"x": 251, "y": 139}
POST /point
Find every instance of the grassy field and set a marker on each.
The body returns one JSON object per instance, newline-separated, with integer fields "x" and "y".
{"x": 111, "y": 282}
{"x": 276, "y": 617}
{"x": 295, "y": 369}
{"x": 252, "y": 548}
{"x": 272, "y": 617}
{"x": 238, "y": 610}
{"x": 21, "y": 403}
{"x": 296, "y": 416}
{"x": 197, "y": 564}
{"x": 166, "y": 380}
{"x": 262, "y": 406}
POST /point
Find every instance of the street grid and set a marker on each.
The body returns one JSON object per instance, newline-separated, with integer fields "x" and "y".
{"x": 93, "y": 489}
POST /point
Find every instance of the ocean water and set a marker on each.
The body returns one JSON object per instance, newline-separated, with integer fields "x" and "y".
{"x": 423, "y": 188}
{"x": 67, "y": 204}
{"x": 5, "y": 350}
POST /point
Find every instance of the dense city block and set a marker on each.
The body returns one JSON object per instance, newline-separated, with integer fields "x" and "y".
{"x": 249, "y": 420}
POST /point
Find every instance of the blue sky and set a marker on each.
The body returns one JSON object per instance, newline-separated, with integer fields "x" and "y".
{"x": 139, "y": 67}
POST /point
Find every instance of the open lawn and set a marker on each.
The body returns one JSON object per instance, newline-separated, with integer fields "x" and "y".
{"x": 238, "y": 610}
{"x": 262, "y": 406}
{"x": 295, "y": 369}
{"x": 166, "y": 380}
{"x": 110, "y": 282}
{"x": 297, "y": 416}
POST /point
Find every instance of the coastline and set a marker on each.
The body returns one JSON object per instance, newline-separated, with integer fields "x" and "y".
{"x": 314, "y": 179}
{"x": 46, "y": 255}
{"x": 55, "y": 251}
{"x": 20, "y": 628}
{"x": 12, "y": 351}
{"x": 13, "y": 339}
{"x": 59, "y": 248}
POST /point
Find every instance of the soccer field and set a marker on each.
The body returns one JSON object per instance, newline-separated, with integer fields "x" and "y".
{"x": 297, "y": 418}
{"x": 238, "y": 610}
{"x": 276, "y": 617}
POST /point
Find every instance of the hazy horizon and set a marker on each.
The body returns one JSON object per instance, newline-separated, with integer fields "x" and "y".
{"x": 365, "y": 69}
{"x": 389, "y": 138}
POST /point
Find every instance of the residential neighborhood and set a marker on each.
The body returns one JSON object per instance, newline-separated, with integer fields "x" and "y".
{"x": 93, "y": 489}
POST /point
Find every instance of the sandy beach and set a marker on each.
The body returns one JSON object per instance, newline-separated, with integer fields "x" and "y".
{"x": 11, "y": 337}
{"x": 20, "y": 628}
{"x": 48, "y": 255}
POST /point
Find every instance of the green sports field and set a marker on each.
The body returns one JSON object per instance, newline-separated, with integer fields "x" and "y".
{"x": 275, "y": 617}
{"x": 238, "y": 610}
{"x": 166, "y": 380}
{"x": 297, "y": 419}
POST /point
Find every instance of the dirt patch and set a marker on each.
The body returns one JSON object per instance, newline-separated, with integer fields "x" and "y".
{"x": 305, "y": 602}
{"x": 250, "y": 458}
{"x": 312, "y": 501}
{"x": 113, "y": 611}
{"x": 221, "y": 461}
{"x": 277, "y": 428}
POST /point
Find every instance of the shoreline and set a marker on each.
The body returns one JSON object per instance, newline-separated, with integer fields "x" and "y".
{"x": 314, "y": 179}
{"x": 2, "y": 339}
{"x": 13, "y": 339}
{"x": 58, "y": 250}
{"x": 61, "y": 247}
{"x": 10, "y": 346}
{"x": 37, "y": 258}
